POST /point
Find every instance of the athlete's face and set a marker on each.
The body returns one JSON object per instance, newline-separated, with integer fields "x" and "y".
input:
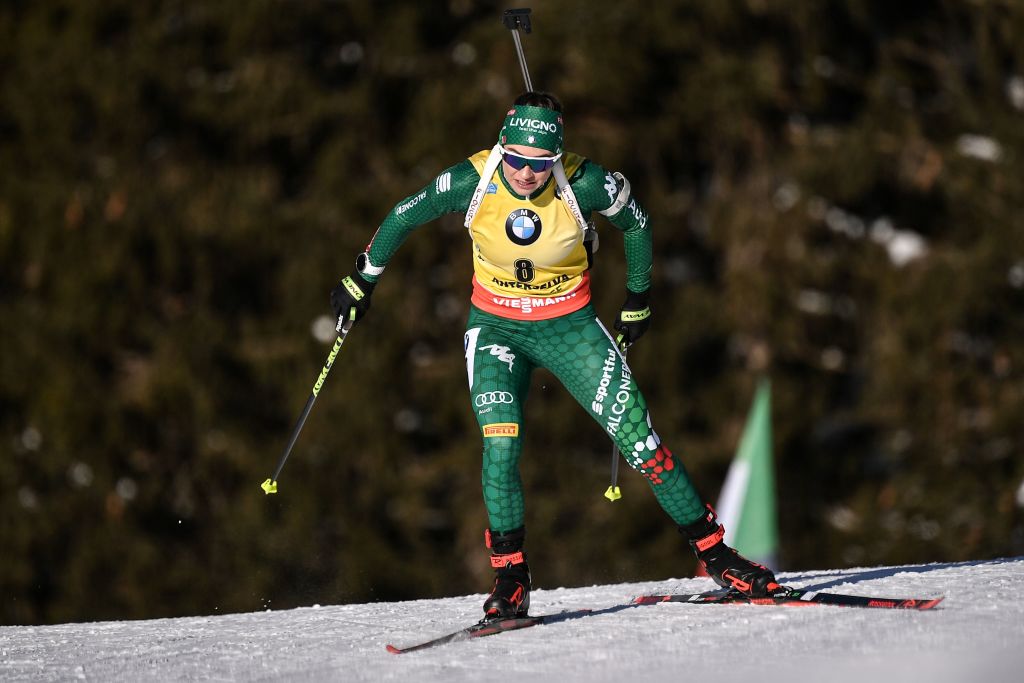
{"x": 525, "y": 180}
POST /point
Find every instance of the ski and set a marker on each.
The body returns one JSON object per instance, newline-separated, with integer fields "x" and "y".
{"x": 792, "y": 597}
{"x": 486, "y": 628}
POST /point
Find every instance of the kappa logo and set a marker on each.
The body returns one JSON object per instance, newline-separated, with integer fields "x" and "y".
{"x": 502, "y": 353}
{"x": 523, "y": 227}
{"x": 610, "y": 186}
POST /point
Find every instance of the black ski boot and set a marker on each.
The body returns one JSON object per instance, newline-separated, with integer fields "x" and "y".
{"x": 511, "y": 594}
{"x": 727, "y": 567}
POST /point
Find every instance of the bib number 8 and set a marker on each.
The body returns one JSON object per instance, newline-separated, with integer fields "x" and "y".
{"x": 525, "y": 271}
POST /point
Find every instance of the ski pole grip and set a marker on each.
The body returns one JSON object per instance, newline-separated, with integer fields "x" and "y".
{"x": 515, "y": 19}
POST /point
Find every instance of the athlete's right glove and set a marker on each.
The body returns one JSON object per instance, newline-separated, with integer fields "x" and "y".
{"x": 350, "y": 299}
{"x": 634, "y": 318}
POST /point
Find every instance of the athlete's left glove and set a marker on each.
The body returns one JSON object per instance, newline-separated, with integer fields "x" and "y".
{"x": 350, "y": 299}
{"x": 634, "y": 318}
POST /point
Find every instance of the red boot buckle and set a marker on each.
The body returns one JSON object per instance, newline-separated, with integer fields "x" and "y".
{"x": 711, "y": 539}
{"x": 503, "y": 561}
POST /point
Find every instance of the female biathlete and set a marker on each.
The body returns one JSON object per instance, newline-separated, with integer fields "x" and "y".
{"x": 527, "y": 205}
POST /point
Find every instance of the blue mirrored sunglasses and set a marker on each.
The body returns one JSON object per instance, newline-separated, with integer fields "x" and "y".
{"x": 536, "y": 164}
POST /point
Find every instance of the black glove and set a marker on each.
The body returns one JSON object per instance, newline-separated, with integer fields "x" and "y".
{"x": 634, "y": 319}
{"x": 351, "y": 298}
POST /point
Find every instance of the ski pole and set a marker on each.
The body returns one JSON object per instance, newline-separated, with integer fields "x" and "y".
{"x": 614, "y": 492}
{"x": 515, "y": 19}
{"x": 270, "y": 485}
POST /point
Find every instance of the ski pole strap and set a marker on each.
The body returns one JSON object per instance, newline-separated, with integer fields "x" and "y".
{"x": 352, "y": 288}
{"x": 635, "y": 316}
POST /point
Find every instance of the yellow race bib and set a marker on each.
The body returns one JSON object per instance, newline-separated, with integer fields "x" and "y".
{"x": 529, "y": 262}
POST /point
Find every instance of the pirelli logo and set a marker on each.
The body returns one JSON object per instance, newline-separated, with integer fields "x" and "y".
{"x": 501, "y": 429}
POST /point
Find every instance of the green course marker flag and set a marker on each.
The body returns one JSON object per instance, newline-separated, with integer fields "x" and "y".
{"x": 746, "y": 506}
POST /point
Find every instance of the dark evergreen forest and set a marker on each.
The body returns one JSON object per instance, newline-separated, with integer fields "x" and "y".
{"x": 836, "y": 189}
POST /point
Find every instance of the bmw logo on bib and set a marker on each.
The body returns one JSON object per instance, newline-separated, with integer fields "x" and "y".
{"x": 523, "y": 227}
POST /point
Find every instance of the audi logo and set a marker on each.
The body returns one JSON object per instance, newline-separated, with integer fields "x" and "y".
{"x": 489, "y": 397}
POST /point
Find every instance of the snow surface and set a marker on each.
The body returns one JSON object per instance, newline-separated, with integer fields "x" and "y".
{"x": 976, "y": 634}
